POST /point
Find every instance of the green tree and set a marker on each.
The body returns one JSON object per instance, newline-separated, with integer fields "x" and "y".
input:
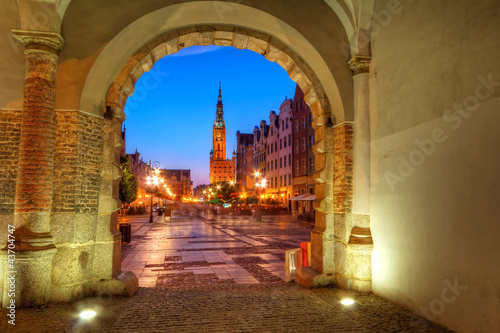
{"x": 128, "y": 184}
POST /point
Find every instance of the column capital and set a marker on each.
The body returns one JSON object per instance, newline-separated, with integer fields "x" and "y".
{"x": 48, "y": 41}
{"x": 360, "y": 64}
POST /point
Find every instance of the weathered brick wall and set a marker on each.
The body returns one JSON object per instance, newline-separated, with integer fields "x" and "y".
{"x": 89, "y": 164}
{"x": 65, "y": 161}
{"x": 77, "y": 157}
{"x": 343, "y": 168}
{"x": 10, "y": 133}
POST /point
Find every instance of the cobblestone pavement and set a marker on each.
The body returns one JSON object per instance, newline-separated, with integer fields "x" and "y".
{"x": 190, "y": 250}
{"x": 194, "y": 299}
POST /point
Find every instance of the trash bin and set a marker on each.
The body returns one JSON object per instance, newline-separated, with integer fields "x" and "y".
{"x": 160, "y": 212}
{"x": 126, "y": 230}
{"x": 168, "y": 212}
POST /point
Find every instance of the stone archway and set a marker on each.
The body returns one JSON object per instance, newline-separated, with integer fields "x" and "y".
{"x": 333, "y": 150}
{"x": 242, "y": 38}
{"x": 80, "y": 221}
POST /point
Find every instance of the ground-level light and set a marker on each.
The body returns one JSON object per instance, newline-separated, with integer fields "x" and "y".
{"x": 87, "y": 314}
{"x": 347, "y": 301}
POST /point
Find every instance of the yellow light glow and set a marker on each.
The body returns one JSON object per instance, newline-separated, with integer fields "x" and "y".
{"x": 87, "y": 314}
{"x": 157, "y": 171}
{"x": 232, "y": 183}
{"x": 257, "y": 174}
{"x": 347, "y": 301}
{"x": 262, "y": 197}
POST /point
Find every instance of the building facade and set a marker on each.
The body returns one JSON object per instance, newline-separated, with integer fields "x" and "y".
{"x": 221, "y": 169}
{"x": 272, "y": 156}
{"x": 285, "y": 152}
{"x": 244, "y": 180}
{"x": 178, "y": 184}
{"x": 302, "y": 153}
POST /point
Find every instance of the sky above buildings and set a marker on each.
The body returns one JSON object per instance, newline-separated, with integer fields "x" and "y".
{"x": 170, "y": 116}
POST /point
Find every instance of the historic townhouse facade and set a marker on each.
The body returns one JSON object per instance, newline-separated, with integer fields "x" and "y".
{"x": 244, "y": 168}
{"x": 302, "y": 153}
{"x": 285, "y": 152}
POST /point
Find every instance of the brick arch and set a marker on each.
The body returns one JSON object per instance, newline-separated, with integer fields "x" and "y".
{"x": 241, "y": 38}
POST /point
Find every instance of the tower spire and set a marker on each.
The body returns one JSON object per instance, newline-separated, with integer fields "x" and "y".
{"x": 219, "y": 119}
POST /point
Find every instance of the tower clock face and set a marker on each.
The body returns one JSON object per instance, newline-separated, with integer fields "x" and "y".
{"x": 218, "y": 135}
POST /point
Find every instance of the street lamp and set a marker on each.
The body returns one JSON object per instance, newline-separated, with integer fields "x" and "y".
{"x": 153, "y": 181}
{"x": 262, "y": 185}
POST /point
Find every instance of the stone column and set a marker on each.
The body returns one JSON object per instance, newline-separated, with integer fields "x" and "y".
{"x": 361, "y": 193}
{"x": 360, "y": 245}
{"x": 34, "y": 245}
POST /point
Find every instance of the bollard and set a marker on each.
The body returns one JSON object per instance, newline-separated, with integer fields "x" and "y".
{"x": 126, "y": 230}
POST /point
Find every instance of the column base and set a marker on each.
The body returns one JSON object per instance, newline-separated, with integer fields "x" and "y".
{"x": 124, "y": 283}
{"x": 27, "y": 280}
{"x": 310, "y": 278}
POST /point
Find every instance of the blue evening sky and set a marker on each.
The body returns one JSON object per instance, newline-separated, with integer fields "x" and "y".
{"x": 169, "y": 118}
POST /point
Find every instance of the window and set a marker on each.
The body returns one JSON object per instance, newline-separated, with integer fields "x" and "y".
{"x": 286, "y": 121}
{"x": 297, "y": 105}
{"x": 311, "y": 141}
{"x": 290, "y": 159}
{"x": 296, "y": 126}
{"x": 281, "y": 144}
{"x": 284, "y": 160}
{"x": 310, "y": 118}
{"x": 296, "y": 168}
{"x": 289, "y": 179}
{"x": 296, "y": 147}
{"x": 304, "y": 170}
{"x": 272, "y": 183}
{"x": 281, "y": 181}
{"x": 284, "y": 179}
{"x": 276, "y": 146}
{"x": 311, "y": 165}
{"x": 276, "y": 164}
{"x": 303, "y": 142}
{"x": 284, "y": 143}
{"x": 276, "y": 181}
{"x": 271, "y": 149}
{"x": 281, "y": 162}
{"x": 303, "y": 122}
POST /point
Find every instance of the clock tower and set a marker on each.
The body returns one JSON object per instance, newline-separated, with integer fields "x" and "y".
{"x": 220, "y": 169}
{"x": 219, "y": 131}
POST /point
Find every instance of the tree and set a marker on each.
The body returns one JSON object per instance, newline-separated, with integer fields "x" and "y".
{"x": 128, "y": 184}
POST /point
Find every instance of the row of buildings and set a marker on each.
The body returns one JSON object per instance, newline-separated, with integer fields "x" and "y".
{"x": 176, "y": 183}
{"x": 279, "y": 155}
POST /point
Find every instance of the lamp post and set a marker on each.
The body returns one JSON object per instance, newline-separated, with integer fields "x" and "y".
{"x": 153, "y": 181}
{"x": 260, "y": 196}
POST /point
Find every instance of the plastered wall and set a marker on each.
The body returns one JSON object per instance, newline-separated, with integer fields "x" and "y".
{"x": 435, "y": 109}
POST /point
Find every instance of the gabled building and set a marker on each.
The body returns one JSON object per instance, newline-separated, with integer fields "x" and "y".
{"x": 302, "y": 154}
{"x": 178, "y": 183}
{"x": 244, "y": 181}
